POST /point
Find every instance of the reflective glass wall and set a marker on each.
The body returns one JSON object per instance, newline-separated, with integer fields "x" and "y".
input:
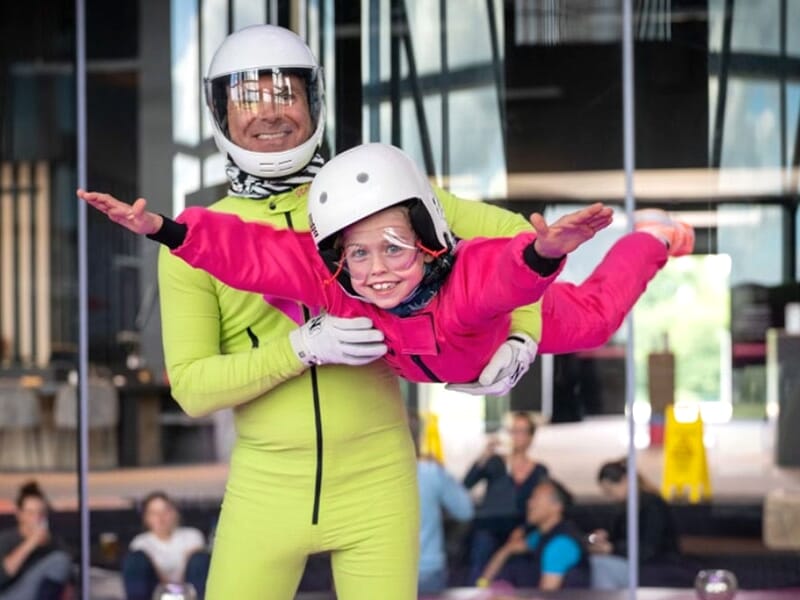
{"x": 516, "y": 103}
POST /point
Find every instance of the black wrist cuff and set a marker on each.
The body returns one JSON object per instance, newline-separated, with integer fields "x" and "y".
{"x": 172, "y": 234}
{"x": 542, "y": 265}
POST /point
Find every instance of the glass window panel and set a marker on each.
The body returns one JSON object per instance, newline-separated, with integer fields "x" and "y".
{"x": 185, "y": 72}
{"x": 477, "y": 155}
{"x": 756, "y": 27}
{"x": 185, "y": 179}
{"x": 424, "y": 26}
{"x": 214, "y": 170}
{"x": 385, "y": 121}
{"x": 752, "y": 124}
{"x": 716, "y": 9}
{"x": 411, "y": 140}
{"x": 468, "y": 34}
{"x": 215, "y": 28}
{"x": 713, "y": 91}
{"x": 797, "y": 249}
{"x": 377, "y": 69}
{"x": 326, "y": 56}
{"x": 249, "y": 12}
{"x": 685, "y": 311}
{"x": 792, "y": 122}
{"x": 793, "y": 27}
{"x": 752, "y": 235}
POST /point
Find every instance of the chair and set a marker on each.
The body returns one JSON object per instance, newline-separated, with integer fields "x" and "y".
{"x": 20, "y": 418}
{"x": 103, "y": 421}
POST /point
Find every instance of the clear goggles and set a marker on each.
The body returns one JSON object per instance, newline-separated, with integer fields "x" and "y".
{"x": 393, "y": 252}
{"x": 257, "y": 90}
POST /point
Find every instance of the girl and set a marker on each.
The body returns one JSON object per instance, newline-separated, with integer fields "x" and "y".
{"x": 385, "y": 252}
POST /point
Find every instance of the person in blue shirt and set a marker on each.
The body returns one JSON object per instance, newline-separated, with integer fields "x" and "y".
{"x": 439, "y": 494}
{"x": 544, "y": 555}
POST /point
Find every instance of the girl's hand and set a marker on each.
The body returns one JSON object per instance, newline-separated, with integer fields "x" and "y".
{"x": 133, "y": 217}
{"x": 569, "y": 231}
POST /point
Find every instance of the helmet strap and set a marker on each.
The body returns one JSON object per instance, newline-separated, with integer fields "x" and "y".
{"x": 333, "y": 277}
{"x": 428, "y": 251}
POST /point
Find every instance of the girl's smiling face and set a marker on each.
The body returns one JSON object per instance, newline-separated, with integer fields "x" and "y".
{"x": 381, "y": 255}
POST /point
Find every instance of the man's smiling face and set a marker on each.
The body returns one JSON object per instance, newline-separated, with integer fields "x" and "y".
{"x": 270, "y": 114}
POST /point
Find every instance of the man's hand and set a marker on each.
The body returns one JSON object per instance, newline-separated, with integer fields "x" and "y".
{"x": 598, "y": 542}
{"x": 569, "y": 231}
{"x": 510, "y": 362}
{"x": 131, "y": 216}
{"x": 517, "y": 534}
{"x": 326, "y": 339}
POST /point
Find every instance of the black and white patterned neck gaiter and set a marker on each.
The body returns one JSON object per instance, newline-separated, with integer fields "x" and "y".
{"x": 246, "y": 185}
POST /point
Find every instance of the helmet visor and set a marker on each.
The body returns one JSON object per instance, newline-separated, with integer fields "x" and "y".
{"x": 266, "y": 110}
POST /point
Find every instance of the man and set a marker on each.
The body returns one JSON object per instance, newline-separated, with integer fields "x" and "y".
{"x": 323, "y": 461}
{"x": 552, "y": 548}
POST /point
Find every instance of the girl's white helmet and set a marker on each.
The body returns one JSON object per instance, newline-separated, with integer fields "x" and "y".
{"x": 246, "y": 55}
{"x": 367, "y": 179}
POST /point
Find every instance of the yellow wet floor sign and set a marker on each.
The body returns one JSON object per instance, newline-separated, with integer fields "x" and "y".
{"x": 431, "y": 443}
{"x": 685, "y": 463}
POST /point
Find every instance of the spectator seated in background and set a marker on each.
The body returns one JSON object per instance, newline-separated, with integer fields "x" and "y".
{"x": 550, "y": 553}
{"x": 509, "y": 483}
{"x": 35, "y": 564}
{"x": 165, "y": 553}
{"x": 658, "y": 538}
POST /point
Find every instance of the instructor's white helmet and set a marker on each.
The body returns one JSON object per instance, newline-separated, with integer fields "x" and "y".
{"x": 365, "y": 180}
{"x": 245, "y": 56}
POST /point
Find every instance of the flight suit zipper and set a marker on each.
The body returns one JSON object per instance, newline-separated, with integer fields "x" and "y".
{"x": 425, "y": 369}
{"x": 317, "y": 416}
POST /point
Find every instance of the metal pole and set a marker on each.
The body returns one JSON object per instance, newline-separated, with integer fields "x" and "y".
{"x": 628, "y": 138}
{"x": 722, "y": 85}
{"x": 497, "y": 69}
{"x": 83, "y": 300}
{"x": 444, "y": 96}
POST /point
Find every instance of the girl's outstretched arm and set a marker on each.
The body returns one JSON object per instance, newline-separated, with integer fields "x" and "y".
{"x": 131, "y": 216}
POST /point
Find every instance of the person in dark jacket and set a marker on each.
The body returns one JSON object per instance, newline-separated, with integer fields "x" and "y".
{"x": 658, "y": 537}
{"x": 33, "y": 562}
{"x": 509, "y": 482}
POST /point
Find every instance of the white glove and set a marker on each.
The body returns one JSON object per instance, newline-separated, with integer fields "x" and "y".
{"x": 327, "y": 339}
{"x": 510, "y": 362}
